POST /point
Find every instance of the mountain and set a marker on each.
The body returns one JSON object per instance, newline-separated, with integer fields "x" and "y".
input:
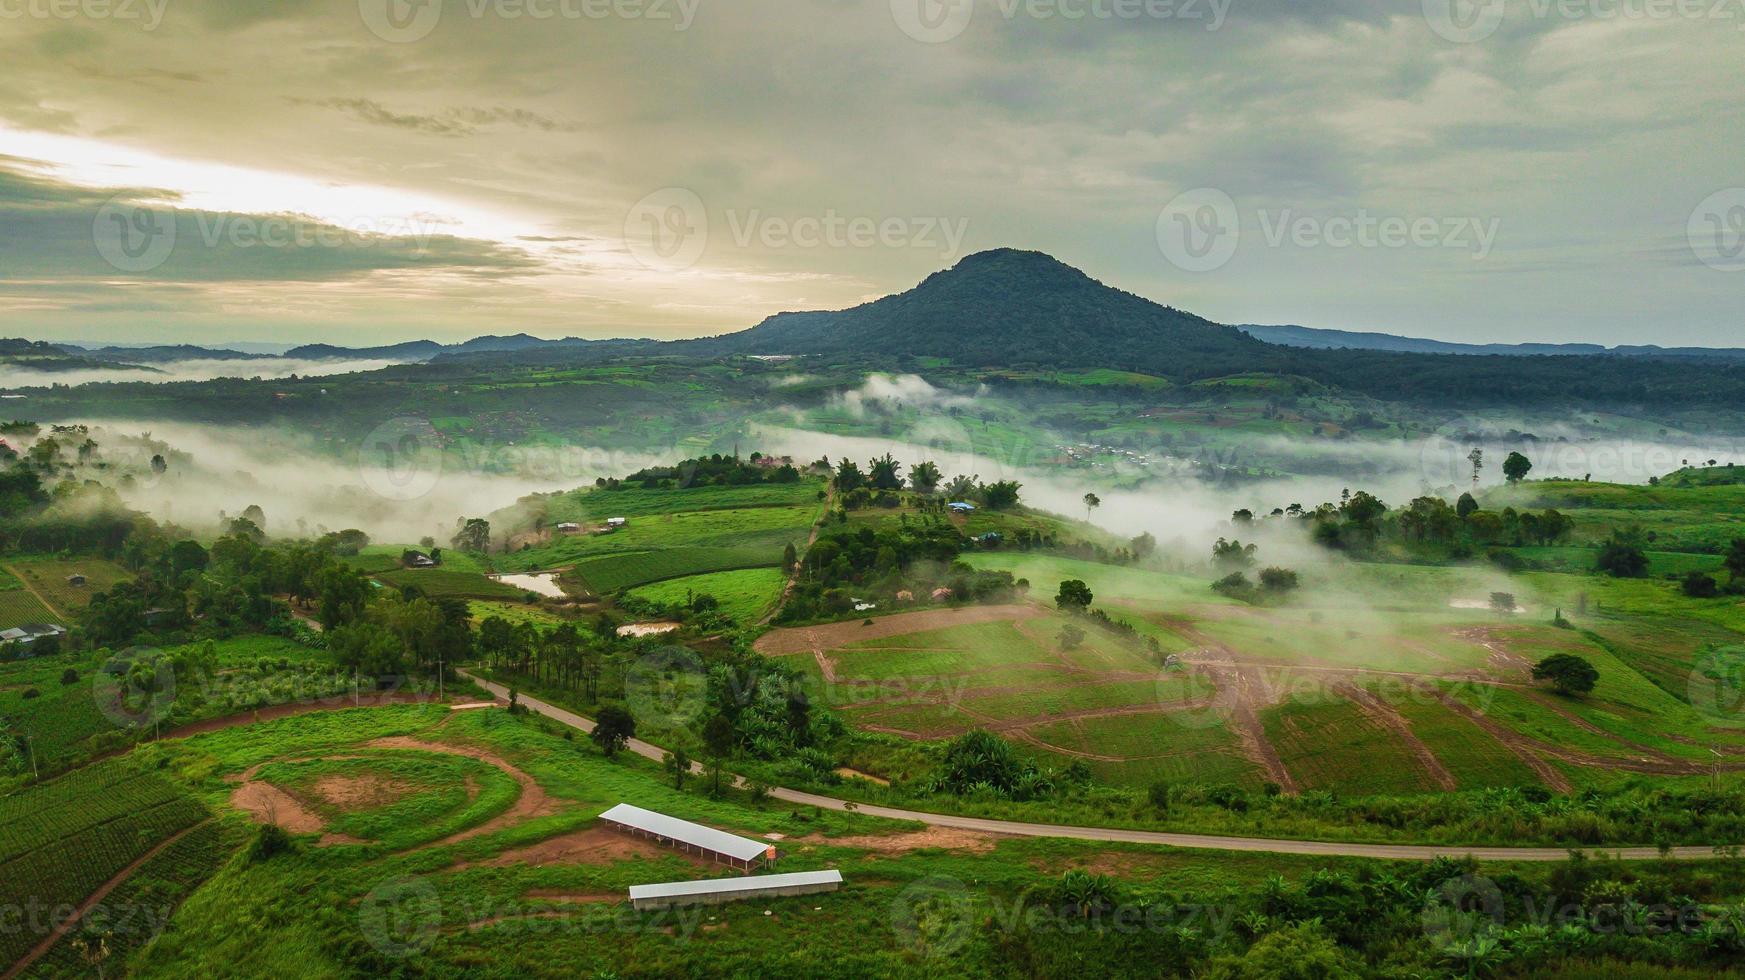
{"x": 164, "y": 353}
{"x": 425, "y": 350}
{"x": 411, "y": 350}
{"x": 1320, "y": 339}
{"x": 1004, "y": 308}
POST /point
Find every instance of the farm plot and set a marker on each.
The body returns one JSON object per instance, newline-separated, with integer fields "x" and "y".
{"x": 134, "y": 913}
{"x": 18, "y": 607}
{"x": 1143, "y": 749}
{"x": 1471, "y": 755}
{"x": 49, "y": 578}
{"x": 604, "y": 575}
{"x": 442, "y": 583}
{"x": 744, "y": 595}
{"x": 598, "y": 505}
{"x": 1330, "y": 743}
{"x": 1013, "y": 676}
{"x": 61, "y": 841}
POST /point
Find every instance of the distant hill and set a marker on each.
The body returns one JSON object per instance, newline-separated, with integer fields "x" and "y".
{"x": 1319, "y": 339}
{"x": 164, "y": 353}
{"x": 411, "y": 350}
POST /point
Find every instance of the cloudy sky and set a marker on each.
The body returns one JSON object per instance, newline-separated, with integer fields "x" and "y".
{"x": 364, "y": 171}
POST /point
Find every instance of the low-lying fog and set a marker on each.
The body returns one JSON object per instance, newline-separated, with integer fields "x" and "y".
{"x": 399, "y": 496}
{"x": 192, "y": 370}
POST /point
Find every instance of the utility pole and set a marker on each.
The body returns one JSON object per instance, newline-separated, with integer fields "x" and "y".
{"x": 30, "y": 748}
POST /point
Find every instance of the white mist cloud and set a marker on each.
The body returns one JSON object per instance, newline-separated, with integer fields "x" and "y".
{"x": 902, "y": 391}
{"x": 192, "y": 370}
{"x": 305, "y": 492}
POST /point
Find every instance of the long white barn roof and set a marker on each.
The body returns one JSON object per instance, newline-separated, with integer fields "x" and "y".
{"x": 728, "y": 886}
{"x": 694, "y": 834}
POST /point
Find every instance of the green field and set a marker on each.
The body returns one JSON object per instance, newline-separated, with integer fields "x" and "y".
{"x": 445, "y": 583}
{"x": 609, "y": 574}
{"x": 745, "y": 595}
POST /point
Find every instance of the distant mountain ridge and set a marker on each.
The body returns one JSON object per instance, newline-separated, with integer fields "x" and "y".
{"x": 1315, "y": 338}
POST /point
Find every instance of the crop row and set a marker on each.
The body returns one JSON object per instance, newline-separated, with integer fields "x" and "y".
{"x": 66, "y": 806}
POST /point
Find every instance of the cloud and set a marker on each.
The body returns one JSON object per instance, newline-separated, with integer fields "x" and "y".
{"x": 903, "y": 390}
{"x": 449, "y": 122}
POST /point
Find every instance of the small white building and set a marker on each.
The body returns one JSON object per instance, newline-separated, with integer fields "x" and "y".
{"x": 617, "y": 521}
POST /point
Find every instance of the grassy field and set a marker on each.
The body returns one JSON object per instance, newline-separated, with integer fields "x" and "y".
{"x": 745, "y": 595}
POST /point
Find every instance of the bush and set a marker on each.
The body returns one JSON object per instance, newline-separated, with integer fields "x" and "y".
{"x": 69, "y": 677}
{"x": 1700, "y": 586}
{"x": 269, "y": 841}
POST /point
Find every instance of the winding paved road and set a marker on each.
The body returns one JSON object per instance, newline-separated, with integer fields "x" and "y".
{"x": 1398, "y": 852}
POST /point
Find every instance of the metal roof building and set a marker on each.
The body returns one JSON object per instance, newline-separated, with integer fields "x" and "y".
{"x": 715, "y": 844}
{"x": 721, "y": 890}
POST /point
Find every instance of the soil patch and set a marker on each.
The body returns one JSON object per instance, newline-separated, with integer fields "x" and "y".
{"x": 594, "y": 846}
{"x": 948, "y": 838}
{"x": 366, "y": 792}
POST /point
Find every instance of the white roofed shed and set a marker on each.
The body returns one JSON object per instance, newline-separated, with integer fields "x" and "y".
{"x": 672, "y": 893}
{"x": 718, "y": 845}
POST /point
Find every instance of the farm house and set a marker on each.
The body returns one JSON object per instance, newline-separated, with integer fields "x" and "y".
{"x": 692, "y": 838}
{"x": 674, "y": 893}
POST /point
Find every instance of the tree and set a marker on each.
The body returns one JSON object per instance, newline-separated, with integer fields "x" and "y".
{"x": 1143, "y": 546}
{"x": 1232, "y": 554}
{"x": 961, "y": 487}
{"x": 848, "y": 476}
{"x": 886, "y": 473}
{"x": 1092, "y": 502}
{"x": 1700, "y": 586}
{"x": 1568, "y": 673}
{"x": 372, "y": 650}
{"x": 474, "y": 535}
{"x": 1734, "y": 563}
{"x": 1503, "y": 602}
{"x": 1278, "y": 580}
{"x": 1000, "y": 496}
{"x": 678, "y": 765}
{"x": 924, "y": 477}
{"x": 1476, "y": 458}
{"x": 1622, "y": 557}
{"x": 1466, "y": 506}
{"x": 1516, "y": 467}
{"x": 1071, "y": 637}
{"x": 1074, "y": 596}
{"x": 613, "y": 728}
{"x": 790, "y": 557}
{"x": 719, "y": 741}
